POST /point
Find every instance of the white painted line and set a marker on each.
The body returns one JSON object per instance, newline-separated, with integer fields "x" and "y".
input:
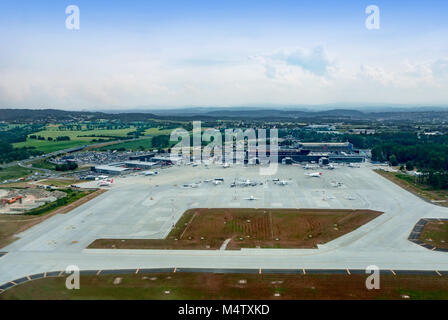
{"x": 393, "y": 272}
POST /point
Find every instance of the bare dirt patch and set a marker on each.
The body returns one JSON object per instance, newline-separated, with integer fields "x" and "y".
{"x": 251, "y": 228}
{"x": 435, "y": 233}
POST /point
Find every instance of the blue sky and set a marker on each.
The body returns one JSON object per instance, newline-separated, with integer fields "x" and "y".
{"x": 221, "y": 53}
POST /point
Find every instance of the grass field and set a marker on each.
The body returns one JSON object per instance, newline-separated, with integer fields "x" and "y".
{"x": 14, "y": 172}
{"x": 204, "y": 286}
{"x": 43, "y": 164}
{"x": 141, "y": 144}
{"x": 250, "y": 228}
{"x": 85, "y": 137}
{"x": 77, "y": 138}
{"x": 435, "y": 234}
{"x": 407, "y": 183}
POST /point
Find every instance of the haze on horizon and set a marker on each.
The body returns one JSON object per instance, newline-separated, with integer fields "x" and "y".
{"x": 204, "y": 53}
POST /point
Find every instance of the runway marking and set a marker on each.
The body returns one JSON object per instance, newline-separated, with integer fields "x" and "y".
{"x": 434, "y": 248}
{"x": 393, "y": 272}
{"x": 304, "y": 272}
{"x": 438, "y": 273}
{"x": 348, "y": 272}
{"x": 13, "y": 283}
{"x": 99, "y": 271}
{"x": 28, "y": 277}
{"x": 136, "y": 271}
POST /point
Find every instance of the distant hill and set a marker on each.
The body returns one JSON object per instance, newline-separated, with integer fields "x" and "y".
{"x": 210, "y": 114}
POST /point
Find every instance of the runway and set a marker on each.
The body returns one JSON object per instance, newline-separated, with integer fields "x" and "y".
{"x": 147, "y": 207}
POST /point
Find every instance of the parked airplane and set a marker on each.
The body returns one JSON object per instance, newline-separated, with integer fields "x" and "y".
{"x": 314, "y": 174}
{"x": 106, "y": 183}
{"x": 251, "y": 198}
{"x": 282, "y": 183}
{"x": 217, "y": 182}
{"x": 247, "y": 183}
{"x": 191, "y": 185}
{"x": 353, "y": 165}
{"x": 226, "y": 165}
{"x": 150, "y": 173}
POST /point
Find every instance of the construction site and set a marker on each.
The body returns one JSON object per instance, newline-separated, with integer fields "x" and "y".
{"x": 19, "y": 201}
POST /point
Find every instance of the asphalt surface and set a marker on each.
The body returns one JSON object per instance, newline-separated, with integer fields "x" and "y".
{"x": 147, "y": 207}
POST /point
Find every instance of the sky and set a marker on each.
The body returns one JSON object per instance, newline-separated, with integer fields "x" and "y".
{"x": 155, "y": 54}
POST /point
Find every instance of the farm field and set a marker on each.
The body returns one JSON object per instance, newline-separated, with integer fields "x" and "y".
{"x": 251, "y": 228}
{"x": 77, "y": 138}
{"x": 85, "y": 137}
{"x": 197, "y": 286}
{"x": 140, "y": 144}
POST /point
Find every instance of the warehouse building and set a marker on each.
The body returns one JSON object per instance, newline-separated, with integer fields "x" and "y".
{"x": 142, "y": 165}
{"x": 109, "y": 170}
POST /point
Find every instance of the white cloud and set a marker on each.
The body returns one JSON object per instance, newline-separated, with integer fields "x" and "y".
{"x": 283, "y": 76}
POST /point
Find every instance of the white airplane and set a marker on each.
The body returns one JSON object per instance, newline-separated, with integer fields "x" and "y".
{"x": 251, "y": 198}
{"x": 150, "y": 173}
{"x": 352, "y": 165}
{"x": 309, "y": 166}
{"x": 247, "y": 183}
{"x": 331, "y": 167}
{"x": 217, "y": 182}
{"x": 191, "y": 185}
{"x": 314, "y": 174}
{"x": 351, "y": 197}
{"x": 226, "y": 165}
{"x": 336, "y": 184}
{"x": 282, "y": 183}
{"x": 106, "y": 183}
